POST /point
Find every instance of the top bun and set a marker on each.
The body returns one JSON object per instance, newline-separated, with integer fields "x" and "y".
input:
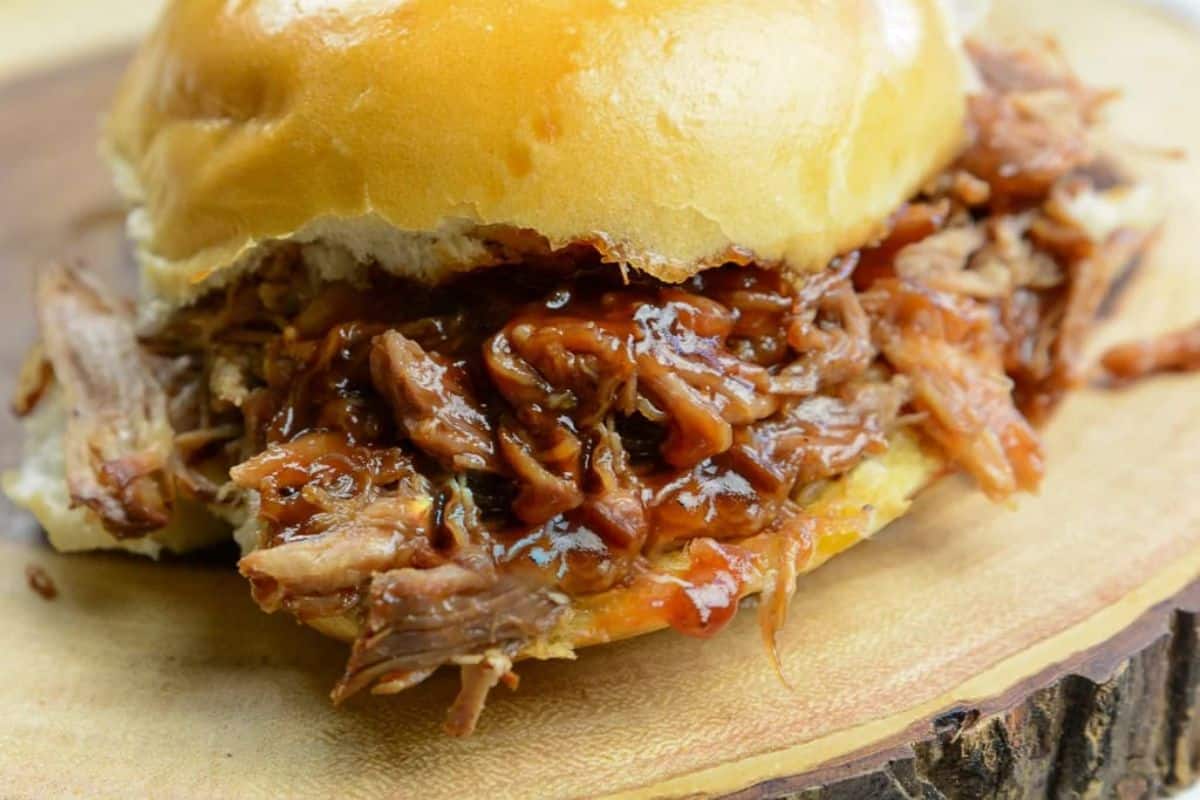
{"x": 431, "y": 136}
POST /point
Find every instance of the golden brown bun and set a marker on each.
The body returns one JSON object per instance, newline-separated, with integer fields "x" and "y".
{"x": 672, "y": 134}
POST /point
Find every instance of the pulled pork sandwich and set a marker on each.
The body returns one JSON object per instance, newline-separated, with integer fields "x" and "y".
{"x": 497, "y": 330}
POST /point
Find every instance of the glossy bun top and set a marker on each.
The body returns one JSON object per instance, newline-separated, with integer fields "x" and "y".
{"x": 431, "y": 136}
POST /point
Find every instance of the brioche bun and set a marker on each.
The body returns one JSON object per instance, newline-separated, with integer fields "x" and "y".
{"x": 431, "y": 136}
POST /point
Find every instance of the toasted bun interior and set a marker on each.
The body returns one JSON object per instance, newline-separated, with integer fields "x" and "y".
{"x": 432, "y": 136}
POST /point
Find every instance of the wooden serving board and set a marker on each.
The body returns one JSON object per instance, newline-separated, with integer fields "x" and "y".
{"x": 1045, "y": 649}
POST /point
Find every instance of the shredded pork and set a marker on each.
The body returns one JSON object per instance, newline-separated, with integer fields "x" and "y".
{"x": 432, "y": 403}
{"x": 118, "y": 439}
{"x": 1178, "y": 351}
{"x": 420, "y": 619}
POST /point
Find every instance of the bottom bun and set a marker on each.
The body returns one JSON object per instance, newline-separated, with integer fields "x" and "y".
{"x": 846, "y": 511}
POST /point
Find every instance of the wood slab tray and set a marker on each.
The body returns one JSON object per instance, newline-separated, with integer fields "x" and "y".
{"x": 1049, "y": 649}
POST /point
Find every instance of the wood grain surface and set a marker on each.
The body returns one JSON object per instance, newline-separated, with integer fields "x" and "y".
{"x": 164, "y": 680}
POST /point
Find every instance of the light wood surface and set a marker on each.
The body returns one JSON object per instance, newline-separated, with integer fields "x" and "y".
{"x": 164, "y": 680}
{"x": 38, "y": 33}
